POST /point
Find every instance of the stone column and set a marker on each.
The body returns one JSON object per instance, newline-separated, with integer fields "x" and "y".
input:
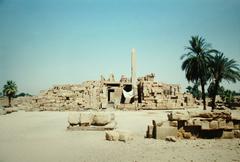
{"x": 133, "y": 72}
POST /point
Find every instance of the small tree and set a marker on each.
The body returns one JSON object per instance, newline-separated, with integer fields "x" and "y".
{"x": 9, "y": 90}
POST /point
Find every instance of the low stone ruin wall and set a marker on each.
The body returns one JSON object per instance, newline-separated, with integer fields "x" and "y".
{"x": 96, "y": 121}
{"x": 218, "y": 124}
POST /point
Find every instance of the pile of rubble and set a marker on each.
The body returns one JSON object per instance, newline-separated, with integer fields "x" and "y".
{"x": 105, "y": 93}
{"x": 97, "y": 121}
{"x": 191, "y": 125}
{"x": 65, "y": 97}
{"x": 4, "y": 111}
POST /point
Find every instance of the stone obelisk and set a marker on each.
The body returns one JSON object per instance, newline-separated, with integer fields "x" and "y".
{"x": 133, "y": 73}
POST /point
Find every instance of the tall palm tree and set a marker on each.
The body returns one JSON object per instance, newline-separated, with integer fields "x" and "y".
{"x": 222, "y": 68}
{"x": 196, "y": 63}
{"x": 9, "y": 90}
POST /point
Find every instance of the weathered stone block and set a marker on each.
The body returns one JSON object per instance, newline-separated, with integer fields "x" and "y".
{"x": 178, "y": 116}
{"x": 205, "y": 125}
{"x": 125, "y": 136}
{"x": 85, "y": 118}
{"x": 101, "y": 119}
{"x": 213, "y": 124}
{"x": 197, "y": 122}
{"x": 221, "y": 124}
{"x": 112, "y": 135}
{"x": 229, "y": 125}
{"x": 73, "y": 118}
{"x": 163, "y": 132}
{"x": 227, "y": 135}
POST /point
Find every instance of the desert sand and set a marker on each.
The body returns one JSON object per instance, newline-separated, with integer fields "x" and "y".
{"x": 43, "y": 136}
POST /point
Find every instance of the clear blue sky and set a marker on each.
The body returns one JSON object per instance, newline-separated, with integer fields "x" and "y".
{"x": 48, "y": 42}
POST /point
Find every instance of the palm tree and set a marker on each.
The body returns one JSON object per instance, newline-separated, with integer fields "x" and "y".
{"x": 196, "y": 63}
{"x": 9, "y": 90}
{"x": 222, "y": 68}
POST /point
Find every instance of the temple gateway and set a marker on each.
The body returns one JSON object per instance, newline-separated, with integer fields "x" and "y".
{"x": 127, "y": 93}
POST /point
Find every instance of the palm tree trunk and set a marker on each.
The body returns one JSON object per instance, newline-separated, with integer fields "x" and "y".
{"x": 203, "y": 95}
{"x": 216, "y": 85}
{"x": 9, "y": 101}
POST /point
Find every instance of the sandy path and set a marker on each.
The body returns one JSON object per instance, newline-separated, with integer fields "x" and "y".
{"x": 42, "y": 136}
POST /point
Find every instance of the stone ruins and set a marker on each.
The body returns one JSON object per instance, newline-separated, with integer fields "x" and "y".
{"x": 134, "y": 93}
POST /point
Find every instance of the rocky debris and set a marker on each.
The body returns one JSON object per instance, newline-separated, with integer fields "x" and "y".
{"x": 73, "y": 118}
{"x": 95, "y": 95}
{"x": 205, "y": 124}
{"x": 11, "y": 110}
{"x": 171, "y": 139}
{"x": 112, "y": 135}
{"x": 236, "y": 133}
{"x": 125, "y": 136}
{"x": 91, "y": 121}
{"x": 119, "y": 135}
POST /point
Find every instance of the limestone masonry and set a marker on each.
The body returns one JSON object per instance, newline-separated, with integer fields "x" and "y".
{"x": 134, "y": 93}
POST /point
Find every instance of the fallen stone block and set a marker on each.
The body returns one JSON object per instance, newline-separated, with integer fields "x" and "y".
{"x": 86, "y": 119}
{"x": 176, "y": 116}
{"x": 73, "y": 118}
{"x": 171, "y": 139}
{"x": 101, "y": 119}
{"x": 125, "y": 136}
{"x": 112, "y": 135}
{"x": 163, "y": 132}
{"x": 227, "y": 135}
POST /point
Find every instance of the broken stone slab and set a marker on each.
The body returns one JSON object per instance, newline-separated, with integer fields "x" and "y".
{"x": 176, "y": 116}
{"x": 163, "y": 132}
{"x": 101, "y": 119}
{"x": 86, "y": 118}
{"x": 171, "y": 139}
{"x": 125, "y": 136}
{"x": 73, "y": 118}
{"x": 112, "y": 135}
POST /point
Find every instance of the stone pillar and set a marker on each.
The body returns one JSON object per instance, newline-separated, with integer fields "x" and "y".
{"x": 133, "y": 73}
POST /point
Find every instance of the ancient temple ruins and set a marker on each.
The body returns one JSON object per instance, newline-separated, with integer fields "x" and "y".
{"x": 134, "y": 93}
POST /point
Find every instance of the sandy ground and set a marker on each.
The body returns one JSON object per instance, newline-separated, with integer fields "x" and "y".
{"x": 42, "y": 137}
